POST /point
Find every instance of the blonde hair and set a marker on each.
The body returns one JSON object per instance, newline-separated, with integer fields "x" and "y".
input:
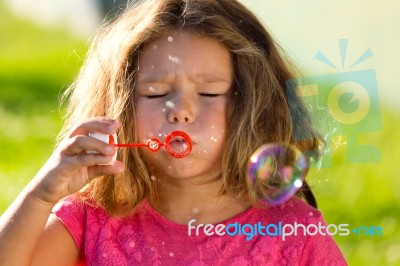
{"x": 258, "y": 110}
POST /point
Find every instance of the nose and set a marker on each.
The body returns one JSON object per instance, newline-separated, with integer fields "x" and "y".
{"x": 182, "y": 109}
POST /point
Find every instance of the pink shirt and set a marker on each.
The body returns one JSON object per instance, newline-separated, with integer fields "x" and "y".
{"x": 147, "y": 238}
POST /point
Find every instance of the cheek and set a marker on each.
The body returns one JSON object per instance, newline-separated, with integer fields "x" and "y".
{"x": 215, "y": 119}
{"x": 218, "y": 131}
{"x": 213, "y": 131}
{"x": 146, "y": 120}
{"x": 216, "y": 138}
{"x": 146, "y": 109}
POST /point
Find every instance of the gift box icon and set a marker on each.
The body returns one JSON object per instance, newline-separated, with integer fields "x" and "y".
{"x": 344, "y": 104}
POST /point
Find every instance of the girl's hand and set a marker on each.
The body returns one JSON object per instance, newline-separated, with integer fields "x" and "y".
{"x": 70, "y": 167}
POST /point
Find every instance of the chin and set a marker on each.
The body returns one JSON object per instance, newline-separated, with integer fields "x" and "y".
{"x": 177, "y": 172}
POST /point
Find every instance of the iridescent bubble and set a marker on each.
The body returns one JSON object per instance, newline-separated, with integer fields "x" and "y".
{"x": 275, "y": 172}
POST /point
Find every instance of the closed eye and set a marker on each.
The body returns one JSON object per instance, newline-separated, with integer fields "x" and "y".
{"x": 210, "y": 94}
{"x": 154, "y": 96}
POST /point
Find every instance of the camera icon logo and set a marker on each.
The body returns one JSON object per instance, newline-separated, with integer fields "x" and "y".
{"x": 344, "y": 104}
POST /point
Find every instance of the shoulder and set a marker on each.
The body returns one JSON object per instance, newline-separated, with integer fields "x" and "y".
{"x": 75, "y": 214}
{"x": 92, "y": 228}
{"x": 74, "y": 208}
{"x": 294, "y": 210}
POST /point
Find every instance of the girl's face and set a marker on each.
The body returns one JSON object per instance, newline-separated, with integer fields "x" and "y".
{"x": 183, "y": 84}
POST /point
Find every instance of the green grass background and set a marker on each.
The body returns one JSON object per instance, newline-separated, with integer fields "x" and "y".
{"x": 36, "y": 65}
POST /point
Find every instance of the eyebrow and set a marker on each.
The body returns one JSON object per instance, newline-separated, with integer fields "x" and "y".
{"x": 159, "y": 77}
{"x": 167, "y": 77}
{"x": 211, "y": 78}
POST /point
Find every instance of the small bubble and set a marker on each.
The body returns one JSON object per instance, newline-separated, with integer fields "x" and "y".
{"x": 132, "y": 244}
{"x": 163, "y": 110}
{"x": 170, "y": 39}
{"x": 104, "y": 255}
{"x": 153, "y": 178}
{"x": 163, "y": 243}
{"x": 171, "y": 254}
{"x": 169, "y": 167}
{"x": 155, "y": 46}
{"x": 311, "y": 214}
{"x": 152, "y": 67}
{"x": 170, "y": 104}
{"x": 214, "y": 139}
{"x": 235, "y": 93}
{"x": 195, "y": 210}
{"x": 174, "y": 59}
{"x": 152, "y": 89}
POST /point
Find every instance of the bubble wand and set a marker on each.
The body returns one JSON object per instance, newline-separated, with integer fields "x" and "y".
{"x": 154, "y": 144}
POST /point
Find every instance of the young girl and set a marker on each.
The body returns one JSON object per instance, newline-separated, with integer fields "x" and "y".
{"x": 205, "y": 67}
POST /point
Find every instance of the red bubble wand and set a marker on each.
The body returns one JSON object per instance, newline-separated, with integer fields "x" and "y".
{"x": 155, "y": 144}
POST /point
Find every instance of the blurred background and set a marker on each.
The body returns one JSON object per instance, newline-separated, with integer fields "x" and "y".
{"x": 43, "y": 43}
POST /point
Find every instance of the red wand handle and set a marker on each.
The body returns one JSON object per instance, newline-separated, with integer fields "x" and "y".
{"x": 154, "y": 144}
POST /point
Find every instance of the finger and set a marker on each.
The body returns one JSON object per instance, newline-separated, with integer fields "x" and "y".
{"x": 87, "y": 160}
{"x": 97, "y": 124}
{"x": 80, "y": 144}
{"x": 100, "y": 170}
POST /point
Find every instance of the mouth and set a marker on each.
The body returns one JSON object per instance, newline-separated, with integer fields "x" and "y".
{"x": 179, "y": 145}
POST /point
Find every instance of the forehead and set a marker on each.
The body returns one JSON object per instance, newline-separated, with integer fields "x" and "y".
{"x": 186, "y": 51}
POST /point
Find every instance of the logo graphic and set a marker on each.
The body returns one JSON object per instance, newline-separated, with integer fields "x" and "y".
{"x": 279, "y": 229}
{"x": 341, "y": 104}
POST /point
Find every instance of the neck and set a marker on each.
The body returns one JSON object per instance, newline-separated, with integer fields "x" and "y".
{"x": 181, "y": 200}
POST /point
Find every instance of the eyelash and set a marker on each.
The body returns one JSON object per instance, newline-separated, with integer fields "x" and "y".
{"x": 155, "y": 96}
{"x": 209, "y": 95}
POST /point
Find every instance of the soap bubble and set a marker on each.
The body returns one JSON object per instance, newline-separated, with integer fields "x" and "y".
{"x": 275, "y": 172}
{"x": 169, "y": 104}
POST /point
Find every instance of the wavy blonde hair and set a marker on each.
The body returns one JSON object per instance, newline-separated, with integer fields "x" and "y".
{"x": 258, "y": 109}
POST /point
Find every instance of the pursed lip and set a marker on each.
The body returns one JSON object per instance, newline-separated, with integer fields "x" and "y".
{"x": 181, "y": 141}
{"x": 193, "y": 138}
